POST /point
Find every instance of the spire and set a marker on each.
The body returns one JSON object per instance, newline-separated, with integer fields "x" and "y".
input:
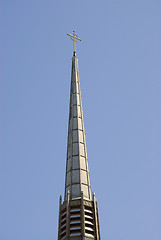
{"x": 78, "y": 214}
{"x": 77, "y": 173}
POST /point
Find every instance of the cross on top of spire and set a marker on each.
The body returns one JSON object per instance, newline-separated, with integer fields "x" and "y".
{"x": 74, "y": 37}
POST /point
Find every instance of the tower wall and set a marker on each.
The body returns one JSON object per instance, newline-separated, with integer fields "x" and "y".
{"x": 78, "y": 219}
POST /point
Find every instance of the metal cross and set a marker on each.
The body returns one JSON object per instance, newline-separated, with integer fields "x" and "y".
{"x": 74, "y": 37}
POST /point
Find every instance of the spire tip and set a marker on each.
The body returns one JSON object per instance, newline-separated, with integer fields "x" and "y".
{"x": 74, "y": 37}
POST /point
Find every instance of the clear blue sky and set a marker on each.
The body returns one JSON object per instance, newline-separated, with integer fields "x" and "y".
{"x": 120, "y": 75}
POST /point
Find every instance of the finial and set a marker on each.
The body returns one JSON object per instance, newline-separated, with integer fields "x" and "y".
{"x": 60, "y": 200}
{"x": 94, "y": 198}
{"x": 75, "y": 38}
{"x": 68, "y": 195}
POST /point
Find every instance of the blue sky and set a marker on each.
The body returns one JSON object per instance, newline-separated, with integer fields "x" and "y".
{"x": 120, "y": 75}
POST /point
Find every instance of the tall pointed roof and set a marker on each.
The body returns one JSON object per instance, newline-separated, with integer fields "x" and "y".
{"x": 77, "y": 173}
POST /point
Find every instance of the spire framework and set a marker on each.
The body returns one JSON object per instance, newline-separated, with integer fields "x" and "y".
{"x": 77, "y": 173}
{"x": 78, "y": 214}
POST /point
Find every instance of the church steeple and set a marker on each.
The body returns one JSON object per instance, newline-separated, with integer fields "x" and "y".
{"x": 77, "y": 173}
{"x": 78, "y": 214}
